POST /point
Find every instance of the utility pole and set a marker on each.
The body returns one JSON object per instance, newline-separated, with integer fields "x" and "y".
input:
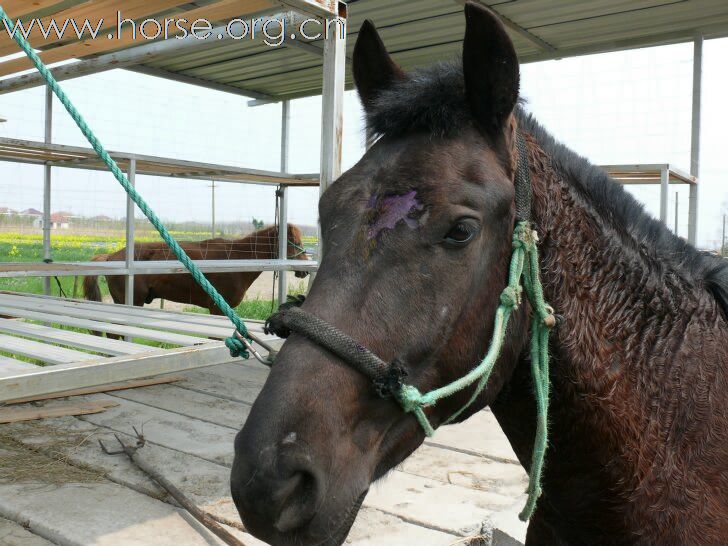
{"x": 214, "y": 230}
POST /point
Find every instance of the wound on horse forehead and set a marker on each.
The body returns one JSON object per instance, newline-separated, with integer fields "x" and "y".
{"x": 418, "y": 240}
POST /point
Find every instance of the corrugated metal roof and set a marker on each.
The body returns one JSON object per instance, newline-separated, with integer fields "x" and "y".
{"x": 418, "y": 32}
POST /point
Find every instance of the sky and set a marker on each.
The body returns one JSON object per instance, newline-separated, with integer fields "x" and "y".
{"x": 614, "y": 108}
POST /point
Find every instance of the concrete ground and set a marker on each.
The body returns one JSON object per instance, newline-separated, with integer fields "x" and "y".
{"x": 57, "y": 487}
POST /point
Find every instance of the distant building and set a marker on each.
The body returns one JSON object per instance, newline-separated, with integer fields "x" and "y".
{"x": 59, "y": 220}
{"x": 6, "y": 210}
{"x": 30, "y": 212}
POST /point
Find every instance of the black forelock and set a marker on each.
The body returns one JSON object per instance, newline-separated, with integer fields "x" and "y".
{"x": 432, "y": 100}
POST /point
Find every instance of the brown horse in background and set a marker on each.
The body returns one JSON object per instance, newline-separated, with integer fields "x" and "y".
{"x": 182, "y": 288}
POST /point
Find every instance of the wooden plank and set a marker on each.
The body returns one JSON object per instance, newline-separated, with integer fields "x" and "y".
{"x": 49, "y": 354}
{"x": 73, "y": 339}
{"x": 52, "y": 309}
{"x": 101, "y": 388}
{"x": 98, "y": 326}
{"x": 19, "y": 8}
{"x": 189, "y": 317}
{"x": 11, "y": 366}
{"x": 14, "y": 415}
{"x": 95, "y": 11}
{"x": 77, "y": 375}
{"x": 220, "y": 11}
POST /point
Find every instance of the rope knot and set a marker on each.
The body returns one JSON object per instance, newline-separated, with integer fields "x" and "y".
{"x": 236, "y": 344}
{"x": 511, "y": 296}
{"x": 390, "y": 384}
{"x": 409, "y": 398}
{"x": 524, "y": 236}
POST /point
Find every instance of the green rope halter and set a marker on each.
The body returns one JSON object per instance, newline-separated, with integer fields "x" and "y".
{"x": 239, "y": 346}
{"x": 524, "y": 264}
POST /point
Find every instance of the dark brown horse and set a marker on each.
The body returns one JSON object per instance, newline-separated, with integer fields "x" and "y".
{"x": 418, "y": 240}
{"x": 182, "y": 288}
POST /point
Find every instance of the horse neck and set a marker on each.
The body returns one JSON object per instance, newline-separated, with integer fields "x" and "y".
{"x": 258, "y": 246}
{"x": 636, "y": 362}
{"x": 626, "y": 309}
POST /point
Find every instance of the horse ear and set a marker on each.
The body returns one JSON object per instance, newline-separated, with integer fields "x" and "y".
{"x": 374, "y": 70}
{"x": 490, "y": 67}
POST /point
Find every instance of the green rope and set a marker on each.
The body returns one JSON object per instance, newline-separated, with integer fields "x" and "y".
{"x": 524, "y": 265}
{"x": 236, "y": 346}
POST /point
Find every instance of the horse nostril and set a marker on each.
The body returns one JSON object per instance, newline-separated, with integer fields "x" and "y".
{"x": 298, "y": 497}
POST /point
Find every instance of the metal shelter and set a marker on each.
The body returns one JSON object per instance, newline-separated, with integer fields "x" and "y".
{"x": 313, "y": 62}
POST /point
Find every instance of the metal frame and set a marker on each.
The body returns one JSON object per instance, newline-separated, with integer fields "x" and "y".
{"x": 663, "y": 174}
{"x": 126, "y": 359}
{"x": 70, "y": 366}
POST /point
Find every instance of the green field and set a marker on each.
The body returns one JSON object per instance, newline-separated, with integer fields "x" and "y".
{"x": 24, "y": 247}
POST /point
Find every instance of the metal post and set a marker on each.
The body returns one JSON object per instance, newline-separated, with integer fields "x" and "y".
{"x": 664, "y": 188}
{"x": 282, "y": 240}
{"x": 47, "y": 188}
{"x": 129, "y": 292}
{"x": 722, "y": 240}
{"x": 332, "y": 111}
{"x": 214, "y": 229}
{"x": 677, "y": 201}
{"x": 282, "y": 195}
{"x": 695, "y": 138}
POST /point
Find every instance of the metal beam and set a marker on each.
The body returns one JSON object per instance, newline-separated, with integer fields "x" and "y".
{"x": 199, "y": 82}
{"x": 332, "y": 112}
{"x": 695, "y": 138}
{"x": 122, "y": 59}
{"x": 129, "y": 283}
{"x": 167, "y": 267}
{"x": 282, "y": 195}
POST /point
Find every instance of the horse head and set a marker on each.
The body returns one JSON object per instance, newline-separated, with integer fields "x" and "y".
{"x": 417, "y": 238}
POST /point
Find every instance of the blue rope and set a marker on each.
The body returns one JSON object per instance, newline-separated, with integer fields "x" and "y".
{"x": 237, "y": 346}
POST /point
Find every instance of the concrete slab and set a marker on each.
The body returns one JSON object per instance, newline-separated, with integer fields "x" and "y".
{"x": 451, "y": 508}
{"x": 480, "y": 434}
{"x": 204, "y": 407}
{"x": 208, "y": 441}
{"x": 12, "y": 534}
{"x": 100, "y": 514}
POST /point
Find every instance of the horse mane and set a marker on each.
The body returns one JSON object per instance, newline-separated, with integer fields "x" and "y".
{"x": 432, "y": 100}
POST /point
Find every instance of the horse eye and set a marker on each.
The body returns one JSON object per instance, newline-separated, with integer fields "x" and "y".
{"x": 461, "y": 233}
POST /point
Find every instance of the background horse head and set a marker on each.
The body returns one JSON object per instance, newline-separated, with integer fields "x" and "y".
{"x": 417, "y": 238}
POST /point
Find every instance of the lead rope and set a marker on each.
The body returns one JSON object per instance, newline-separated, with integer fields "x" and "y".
{"x": 240, "y": 343}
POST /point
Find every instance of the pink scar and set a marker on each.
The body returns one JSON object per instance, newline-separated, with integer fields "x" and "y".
{"x": 392, "y": 209}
